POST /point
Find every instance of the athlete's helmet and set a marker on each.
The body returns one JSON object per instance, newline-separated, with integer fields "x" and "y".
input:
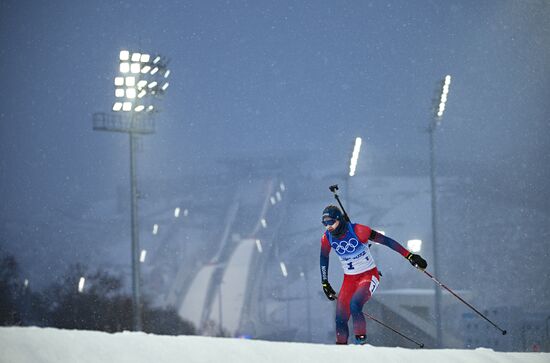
{"x": 334, "y": 212}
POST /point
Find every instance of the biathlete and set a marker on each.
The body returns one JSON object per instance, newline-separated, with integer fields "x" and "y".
{"x": 361, "y": 277}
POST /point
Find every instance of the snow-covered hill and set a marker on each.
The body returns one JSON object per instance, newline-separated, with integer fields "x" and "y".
{"x": 45, "y": 345}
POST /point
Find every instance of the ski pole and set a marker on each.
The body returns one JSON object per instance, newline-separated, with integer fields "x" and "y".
{"x": 459, "y": 298}
{"x": 421, "y": 345}
{"x": 334, "y": 188}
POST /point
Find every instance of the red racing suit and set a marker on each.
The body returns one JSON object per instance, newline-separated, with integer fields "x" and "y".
{"x": 361, "y": 276}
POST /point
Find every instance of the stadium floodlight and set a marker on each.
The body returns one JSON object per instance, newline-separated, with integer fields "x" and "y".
{"x": 259, "y": 246}
{"x": 142, "y": 256}
{"x": 124, "y": 55}
{"x": 283, "y": 269}
{"x": 117, "y": 106}
{"x": 352, "y": 166}
{"x": 131, "y": 81}
{"x": 124, "y": 67}
{"x": 443, "y": 98}
{"x": 155, "y": 228}
{"x": 177, "y": 212}
{"x": 135, "y": 68}
{"x": 355, "y": 156}
{"x": 130, "y": 93}
{"x": 81, "y": 283}
{"x": 145, "y": 58}
{"x": 436, "y": 119}
{"x": 134, "y": 117}
{"x": 139, "y": 84}
{"x": 127, "y": 106}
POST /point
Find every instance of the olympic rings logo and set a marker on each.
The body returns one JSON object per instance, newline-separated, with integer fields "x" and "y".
{"x": 345, "y": 246}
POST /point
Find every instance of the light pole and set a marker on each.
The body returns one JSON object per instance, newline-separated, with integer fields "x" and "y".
{"x": 353, "y": 165}
{"x": 304, "y": 275}
{"x": 141, "y": 79}
{"x": 433, "y": 126}
{"x": 285, "y": 275}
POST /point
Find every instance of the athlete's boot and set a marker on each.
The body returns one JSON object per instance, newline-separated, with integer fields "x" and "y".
{"x": 361, "y": 339}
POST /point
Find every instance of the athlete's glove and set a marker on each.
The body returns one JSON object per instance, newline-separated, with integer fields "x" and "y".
{"x": 417, "y": 261}
{"x": 329, "y": 291}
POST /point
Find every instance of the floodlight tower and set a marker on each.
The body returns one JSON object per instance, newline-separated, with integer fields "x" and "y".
{"x": 436, "y": 120}
{"x": 353, "y": 166}
{"x": 142, "y": 78}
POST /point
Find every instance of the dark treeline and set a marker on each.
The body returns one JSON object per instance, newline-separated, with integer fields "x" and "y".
{"x": 102, "y": 305}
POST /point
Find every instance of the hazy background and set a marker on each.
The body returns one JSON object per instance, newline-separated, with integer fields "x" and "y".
{"x": 278, "y": 91}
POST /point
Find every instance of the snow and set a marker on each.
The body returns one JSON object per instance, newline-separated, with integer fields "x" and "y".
{"x": 47, "y": 345}
{"x": 233, "y": 295}
{"x": 194, "y": 303}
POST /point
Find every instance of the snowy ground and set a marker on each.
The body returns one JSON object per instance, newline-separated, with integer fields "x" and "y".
{"x": 46, "y": 345}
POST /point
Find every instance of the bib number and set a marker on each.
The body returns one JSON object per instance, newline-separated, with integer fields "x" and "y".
{"x": 350, "y": 266}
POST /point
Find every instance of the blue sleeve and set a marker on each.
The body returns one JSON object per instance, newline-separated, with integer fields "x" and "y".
{"x": 325, "y": 250}
{"x": 324, "y": 267}
{"x": 391, "y": 243}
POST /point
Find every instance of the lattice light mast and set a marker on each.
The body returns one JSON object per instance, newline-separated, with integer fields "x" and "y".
{"x": 141, "y": 80}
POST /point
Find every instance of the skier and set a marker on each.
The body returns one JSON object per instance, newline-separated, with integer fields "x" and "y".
{"x": 361, "y": 277}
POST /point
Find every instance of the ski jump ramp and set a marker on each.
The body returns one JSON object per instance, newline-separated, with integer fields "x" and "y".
{"x": 228, "y": 300}
{"x": 231, "y": 292}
